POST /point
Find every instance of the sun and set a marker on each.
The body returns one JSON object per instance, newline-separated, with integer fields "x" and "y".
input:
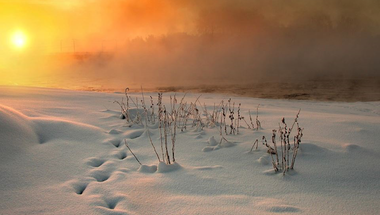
{"x": 19, "y": 39}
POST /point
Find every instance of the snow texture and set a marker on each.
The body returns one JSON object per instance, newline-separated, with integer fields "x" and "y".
{"x": 63, "y": 152}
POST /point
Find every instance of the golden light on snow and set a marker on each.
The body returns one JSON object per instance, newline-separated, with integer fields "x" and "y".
{"x": 19, "y": 39}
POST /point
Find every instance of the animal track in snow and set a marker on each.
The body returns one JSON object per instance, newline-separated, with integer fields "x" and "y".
{"x": 80, "y": 187}
{"x": 95, "y": 162}
{"x": 134, "y": 134}
{"x": 121, "y": 155}
{"x": 115, "y": 142}
{"x": 100, "y": 175}
{"x": 112, "y": 202}
{"x": 109, "y": 203}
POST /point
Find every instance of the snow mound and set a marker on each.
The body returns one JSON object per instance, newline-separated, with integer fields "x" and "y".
{"x": 352, "y": 148}
{"x": 114, "y": 131}
{"x": 147, "y": 168}
{"x": 208, "y": 149}
{"x": 310, "y": 148}
{"x": 133, "y": 134}
{"x": 51, "y": 128}
{"x": 264, "y": 160}
{"x": 16, "y": 131}
{"x": 226, "y": 144}
{"x": 214, "y": 145}
{"x": 212, "y": 141}
{"x": 163, "y": 167}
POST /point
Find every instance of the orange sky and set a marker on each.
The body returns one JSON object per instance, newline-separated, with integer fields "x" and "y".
{"x": 92, "y": 23}
{"x": 54, "y": 26}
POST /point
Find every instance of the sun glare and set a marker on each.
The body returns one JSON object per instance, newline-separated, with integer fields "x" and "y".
{"x": 19, "y": 39}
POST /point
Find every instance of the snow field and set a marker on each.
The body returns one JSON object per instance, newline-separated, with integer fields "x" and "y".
{"x": 63, "y": 152}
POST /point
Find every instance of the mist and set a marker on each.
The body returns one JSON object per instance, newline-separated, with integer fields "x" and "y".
{"x": 183, "y": 42}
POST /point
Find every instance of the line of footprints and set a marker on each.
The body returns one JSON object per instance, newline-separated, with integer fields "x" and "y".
{"x": 101, "y": 170}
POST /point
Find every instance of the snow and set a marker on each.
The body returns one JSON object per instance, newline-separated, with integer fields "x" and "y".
{"x": 63, "y": 152}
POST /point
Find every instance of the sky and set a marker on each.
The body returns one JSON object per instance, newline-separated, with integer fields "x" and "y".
{"x": 177, "y": 42}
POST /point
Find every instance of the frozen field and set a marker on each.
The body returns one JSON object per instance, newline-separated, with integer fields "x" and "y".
{"x": 62, "y": 152}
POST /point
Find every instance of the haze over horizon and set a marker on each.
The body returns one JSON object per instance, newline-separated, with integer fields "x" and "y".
{"x": 184, "y": 42}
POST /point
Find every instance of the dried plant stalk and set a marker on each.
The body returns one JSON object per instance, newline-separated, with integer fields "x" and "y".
{"x": 271, "y": 152}
{"x": 125, "y": 141}
{"x": 255, "y": 143}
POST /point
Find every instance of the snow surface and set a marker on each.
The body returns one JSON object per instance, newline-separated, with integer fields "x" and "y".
{"x": 62, "y": 152}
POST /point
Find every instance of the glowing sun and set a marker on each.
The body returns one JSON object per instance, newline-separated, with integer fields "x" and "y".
{"x": 18, "y": 39}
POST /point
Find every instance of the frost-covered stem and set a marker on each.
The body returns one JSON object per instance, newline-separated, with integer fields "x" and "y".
{"x": 147, "y": 130}
{"x": 282, "y": 149}
{"x": 188, "y": 112}
{"x": 125, "y": 141}
{"x": 127, "y": 107}
{"x": 174, "y": 136}
{"x": 255, "y": 143}
{"x": 204, "y": 108}
{"x": 250, "y": 118}
{"x": 138, "y": 116}
{"x": 285, "y": 140}
{"x": 258, "y": 123}
{"x": 231, "y": 116}
{"x": 285, "y": 153}
{"x": 154, "y": 148}
{"x": 192, "y": 108}
{"x": 171, "y": 104}
{"x": 160, "y": 118}
{"x": 297, "y": 141}
{"x": 144, "y": 107}
{"x": 220, "y": 125}
{"x": 166, "y": 126}
{"x": 295, "y": 121}
{"x": 175, "y": 115}
{"x": 288, "y": 153}
{"x": 162, "y": 143}
{"x": 146, "y": 116}
{"x": 221, "y": 140}
{"x": 270, "y": 151}
{"x": 206, "y": 113}
{"x": 218, "y": 111}
{"x": 214, "y": 116}
{"x": 249, "y": 127}
{"x": 198, "y": 117}
{"x": 195, "y": 115}
{"x": 221, "y": 129}
{"x": 275, "y": 146}
{"x": 224, "y": 117}
{"x": 153, "y": 118}
{"x": 122, "y": 107}
{"x": 295, "y": 150}
{"x": 238, "y": 119}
